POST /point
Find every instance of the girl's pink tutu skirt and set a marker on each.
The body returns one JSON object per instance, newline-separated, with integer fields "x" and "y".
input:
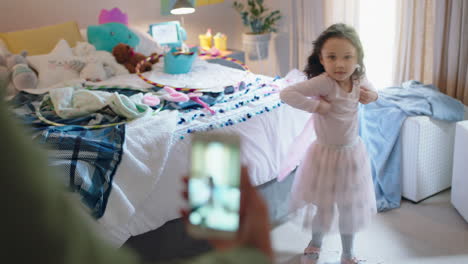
{"x": 333, "y": 190}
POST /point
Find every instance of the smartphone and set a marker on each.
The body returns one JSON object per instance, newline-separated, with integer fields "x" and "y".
{"x": 213, "y": 187}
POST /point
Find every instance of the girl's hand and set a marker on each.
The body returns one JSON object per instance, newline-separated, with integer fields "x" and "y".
{"x": 367, "y": 96}
{"x": 323, "y": 107}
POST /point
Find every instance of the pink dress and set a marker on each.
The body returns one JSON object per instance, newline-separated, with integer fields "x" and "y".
{"x": 333, "y": 184}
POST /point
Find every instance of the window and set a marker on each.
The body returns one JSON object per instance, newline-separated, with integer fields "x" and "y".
{"x": 377, "y": 30}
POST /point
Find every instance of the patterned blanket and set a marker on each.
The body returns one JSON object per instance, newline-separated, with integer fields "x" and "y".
{"x": 87, "y": 158}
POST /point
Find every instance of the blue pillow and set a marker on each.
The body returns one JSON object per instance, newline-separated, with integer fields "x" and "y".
{"x": 107, "y": 36}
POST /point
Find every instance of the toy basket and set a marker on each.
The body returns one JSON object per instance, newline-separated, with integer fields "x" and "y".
{"x": 178, "y": 63}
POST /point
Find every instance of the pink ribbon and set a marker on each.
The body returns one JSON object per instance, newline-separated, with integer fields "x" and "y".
{"x": 196, "y": 98}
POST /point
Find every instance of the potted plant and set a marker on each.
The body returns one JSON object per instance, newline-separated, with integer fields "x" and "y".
{"x": 261, "y": 22}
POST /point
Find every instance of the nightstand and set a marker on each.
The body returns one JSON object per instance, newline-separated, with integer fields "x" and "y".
{"x": 460, "y": 169}
{"x": 235, "y": 54}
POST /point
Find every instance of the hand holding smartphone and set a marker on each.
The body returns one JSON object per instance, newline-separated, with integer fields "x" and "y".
{"x": 213, "y": 187}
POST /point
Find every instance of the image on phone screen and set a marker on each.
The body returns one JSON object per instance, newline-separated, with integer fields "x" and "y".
{"x": 214, "y": 194}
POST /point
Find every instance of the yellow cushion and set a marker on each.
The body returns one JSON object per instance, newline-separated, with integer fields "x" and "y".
{"x": 41, "y": 40}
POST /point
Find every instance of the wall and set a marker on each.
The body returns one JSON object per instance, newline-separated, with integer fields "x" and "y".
{"x": 278, "y": 62}
{"x": 25, "y": 14}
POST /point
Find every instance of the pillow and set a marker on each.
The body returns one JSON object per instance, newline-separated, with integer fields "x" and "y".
{"x": 41, "y": 40}
{"x": 3, "y": 48}
{"x": 84, "y": 34}
{"x": 58, "y": 66}
{"x": 147, "y": 44}
{"x": 107, "y": 36}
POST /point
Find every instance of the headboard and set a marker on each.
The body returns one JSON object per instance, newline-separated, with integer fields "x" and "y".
{"x": 41, "y": 40}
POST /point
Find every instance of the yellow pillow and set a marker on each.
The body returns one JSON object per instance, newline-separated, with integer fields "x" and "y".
{"x": 41, "y": 40}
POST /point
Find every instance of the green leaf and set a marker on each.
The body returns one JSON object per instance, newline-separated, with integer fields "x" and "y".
{"x": 257, "y": 16}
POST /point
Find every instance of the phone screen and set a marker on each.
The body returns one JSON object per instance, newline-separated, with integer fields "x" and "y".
{"x": 214, "y": 194}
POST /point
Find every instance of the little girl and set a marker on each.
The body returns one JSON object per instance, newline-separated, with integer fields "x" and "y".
{"x": 334, "y": 178}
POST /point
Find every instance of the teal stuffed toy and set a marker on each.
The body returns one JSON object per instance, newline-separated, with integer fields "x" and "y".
{"x": 107, "y": 36}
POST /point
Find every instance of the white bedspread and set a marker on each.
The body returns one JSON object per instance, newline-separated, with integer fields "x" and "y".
{"x": 205, "y": 75}
{"x": 147, "y": 185}
{"x": 265, "y": 140}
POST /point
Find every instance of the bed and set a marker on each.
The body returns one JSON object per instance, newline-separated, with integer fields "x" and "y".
{"x": 148, "y": 178}
{"x": 148, "y": 160}
{"x": 146, "y": 186}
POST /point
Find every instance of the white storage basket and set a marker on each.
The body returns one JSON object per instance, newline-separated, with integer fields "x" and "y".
{"x": 427, "y": 156}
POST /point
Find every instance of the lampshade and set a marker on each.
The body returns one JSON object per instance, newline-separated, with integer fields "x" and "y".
{"x": 182, "y": 7}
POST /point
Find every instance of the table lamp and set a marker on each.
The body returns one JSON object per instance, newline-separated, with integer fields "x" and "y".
{"x": 182, "y": 7}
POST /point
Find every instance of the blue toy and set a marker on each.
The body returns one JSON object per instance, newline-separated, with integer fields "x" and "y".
{"x": 169, "y": 34}
{"x": 107, "y": 36}
{"x": 176, "y": 62}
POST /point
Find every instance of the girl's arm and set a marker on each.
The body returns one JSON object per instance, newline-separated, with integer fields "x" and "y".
{"x": 368, "y": 93}
{"x": 306, "y": 95}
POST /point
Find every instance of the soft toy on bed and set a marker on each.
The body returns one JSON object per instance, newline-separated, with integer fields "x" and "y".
{"x": 107, "y": 36}
{"x": 99, "y": 65}
{"x": 16, "y": 67}
{"x": 125, "y": 55}
{"x": 4, "y": 75}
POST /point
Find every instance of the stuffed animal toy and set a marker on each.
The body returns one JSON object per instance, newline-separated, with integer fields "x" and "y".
{"x": 98, "y": 65}
{"x": 4, "y": 75}
{"x": 18, "y": 71}
{"x": 125, "y": 55}
{"x": 107, "y": 36}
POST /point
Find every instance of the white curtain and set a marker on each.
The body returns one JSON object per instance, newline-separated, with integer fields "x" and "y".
{"x": 414, "y": 42}
{"x": 342, "y": 11}
{"x": 432, "y": 45}
{"x": 451, "y": 48}
{"x": 307, "y": 24}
